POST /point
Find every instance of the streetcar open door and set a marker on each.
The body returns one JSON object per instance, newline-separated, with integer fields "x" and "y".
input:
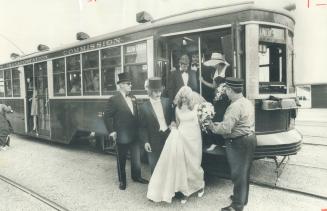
{"x": 37, "y": 100}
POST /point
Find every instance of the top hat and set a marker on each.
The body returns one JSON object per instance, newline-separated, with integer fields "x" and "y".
{"x": 155, "y": 84}
{"x": 123, "y": 77}
{"x": 234, "y": 82}
{"x": 216, "y": 58}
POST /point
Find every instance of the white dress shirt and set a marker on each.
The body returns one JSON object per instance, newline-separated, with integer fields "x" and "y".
{"x": 158, "y": 110}
{"x": 129, "y": 102}
{"x": 185, "y": 77}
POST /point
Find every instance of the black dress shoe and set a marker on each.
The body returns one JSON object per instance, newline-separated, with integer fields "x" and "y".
{"x": 122, "y": 186}
{"x": 231, "y": 208}
{"x": 141, "y": 180}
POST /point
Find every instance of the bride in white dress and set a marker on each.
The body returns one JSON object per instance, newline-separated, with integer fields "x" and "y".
{"x": 179, "y": 166}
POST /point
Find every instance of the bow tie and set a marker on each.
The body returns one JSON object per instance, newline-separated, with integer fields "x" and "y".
{"x": 128, "y": 95}
{"x": 185, "y": 71}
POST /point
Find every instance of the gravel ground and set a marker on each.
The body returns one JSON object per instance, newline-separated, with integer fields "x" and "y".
{"x": 79, "y": 179}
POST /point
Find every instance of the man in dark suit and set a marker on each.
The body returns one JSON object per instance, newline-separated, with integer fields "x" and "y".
{"x": 122, "y": 111}
{"x": 182, "y": 77}
{"x": 155, "y": 118}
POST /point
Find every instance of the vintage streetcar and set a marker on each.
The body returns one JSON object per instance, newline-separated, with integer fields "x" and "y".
{"x": 60, "y": 94}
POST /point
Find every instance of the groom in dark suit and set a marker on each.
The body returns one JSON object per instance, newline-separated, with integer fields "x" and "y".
{"x": 182, "y": 77}
{"x": 121, "y": 110}
{"x": 155, "y": 117}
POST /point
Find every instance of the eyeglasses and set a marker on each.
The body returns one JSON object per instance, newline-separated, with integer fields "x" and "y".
{"x": 128, "y": 83}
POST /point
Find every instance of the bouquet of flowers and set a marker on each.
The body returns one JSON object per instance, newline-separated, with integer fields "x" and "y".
{"x": 206, "y": 113}
{"x": 219, "y": 92}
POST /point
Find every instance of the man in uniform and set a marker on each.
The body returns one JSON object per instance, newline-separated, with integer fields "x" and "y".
{"x": 122, "y": 111}
{"x": 237, "y": 128}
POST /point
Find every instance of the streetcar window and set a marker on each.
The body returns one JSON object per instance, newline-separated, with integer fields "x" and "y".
{"x": 290, "y": 58}
{"x": 111, "y": 66}
{"x": 272, "y": 67}
{"x": 7, "y": 81}
{"x": 91, "y": 73}
{"x": 16, "y": 82}
{"x": 40, "y": 74}
{"x": 135, "y": 64}
{"x": 2, "y": 85}
{"x": 73, "y": 75}
{"x": 162, "y": 63}
{"x": 59, "y": 86}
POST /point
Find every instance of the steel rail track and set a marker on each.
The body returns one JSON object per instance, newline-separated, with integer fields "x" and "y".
{"x": 32, "y": 193}
{"x": 266, "y": 185}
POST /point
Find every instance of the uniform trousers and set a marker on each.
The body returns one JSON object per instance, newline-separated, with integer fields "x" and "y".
{"x": 122, "y": 150}
{"x": 240, "y": 152}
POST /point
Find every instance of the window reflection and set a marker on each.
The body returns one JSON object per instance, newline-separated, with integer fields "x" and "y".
{"x": 91, "y": 73}
{"x": 59, "y": 86}
{"x": 16, "y": 82}
{"x": 7, "y": 83}
{"x": 135, "y": 58}
{"x": 111, "y": 66}
{"x": 2, "y": 85}
{"x": 73, "y": 75}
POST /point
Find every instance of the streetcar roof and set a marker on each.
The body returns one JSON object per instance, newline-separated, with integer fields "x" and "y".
{"x": 191, "y": 15}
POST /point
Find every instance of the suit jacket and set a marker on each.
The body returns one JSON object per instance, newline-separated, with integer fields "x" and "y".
{"x": 118, "y": 117}
{"x": 175, "y": 82}
{"x": 149, "y": 124}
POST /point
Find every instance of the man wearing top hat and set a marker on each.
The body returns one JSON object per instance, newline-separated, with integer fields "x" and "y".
{"x": 155, "y": 117}
{"x": 237, "y": 128}
{"x": 122, "y": 111}
{"x": 182, "y": 77}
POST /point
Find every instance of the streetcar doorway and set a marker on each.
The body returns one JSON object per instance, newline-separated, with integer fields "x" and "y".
{"x": 199, "y": 47}
{"x": 37, "y": 99}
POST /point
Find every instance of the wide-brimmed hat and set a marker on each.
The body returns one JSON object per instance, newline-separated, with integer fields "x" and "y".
{"x": 234, "y": 82}
{"x": 123, "y": 77}
{"x": 216, "y": 58}
{"x": 155, "y": 84}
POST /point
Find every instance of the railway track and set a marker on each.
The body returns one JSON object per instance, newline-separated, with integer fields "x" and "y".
{"x": 33, "y": 194}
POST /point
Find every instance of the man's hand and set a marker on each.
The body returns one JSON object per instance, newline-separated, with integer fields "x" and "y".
{"x": 172, "y": 125}
{"x": 211, "y": 125}
{"x": 147, "y": 147}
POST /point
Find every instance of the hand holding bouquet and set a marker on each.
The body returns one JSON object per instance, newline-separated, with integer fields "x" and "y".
{"x": 206, "y": 113}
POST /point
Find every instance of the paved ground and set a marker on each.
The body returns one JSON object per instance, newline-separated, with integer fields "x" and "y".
{"x": 14, "y": 199}
{"x": 81, "y": 179}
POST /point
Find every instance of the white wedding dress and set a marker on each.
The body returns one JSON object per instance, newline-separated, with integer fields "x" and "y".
{"x": 179, "y": 166}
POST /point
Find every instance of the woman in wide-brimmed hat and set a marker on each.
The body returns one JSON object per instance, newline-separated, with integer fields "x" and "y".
{"x": 220, "y": 64}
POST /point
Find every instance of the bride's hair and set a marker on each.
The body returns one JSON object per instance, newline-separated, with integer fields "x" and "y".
{"x": 187, "y": 93}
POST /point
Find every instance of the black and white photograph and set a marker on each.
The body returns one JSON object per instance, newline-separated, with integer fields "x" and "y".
{"x": 163, "y": 105}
